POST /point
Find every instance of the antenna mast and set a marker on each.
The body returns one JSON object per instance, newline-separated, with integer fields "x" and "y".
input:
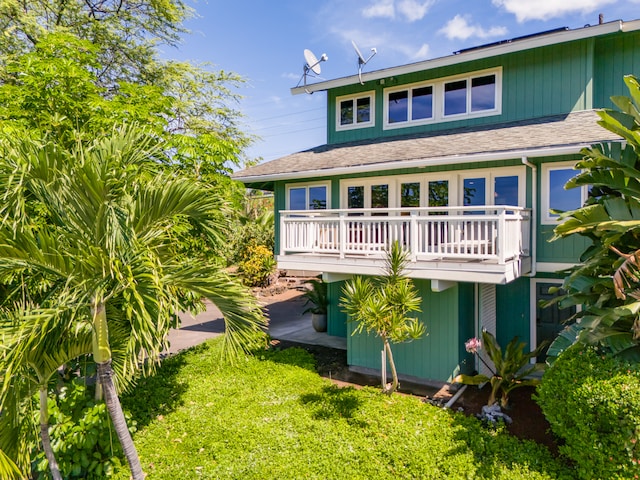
{"x": 361, "y": 60}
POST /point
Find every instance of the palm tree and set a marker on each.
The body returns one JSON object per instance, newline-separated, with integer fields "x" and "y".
{"x": 383, "y": 304}
{"x": 106, "y": 251}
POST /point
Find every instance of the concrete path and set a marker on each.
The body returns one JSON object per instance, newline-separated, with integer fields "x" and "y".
{"x": 286, "y": 322}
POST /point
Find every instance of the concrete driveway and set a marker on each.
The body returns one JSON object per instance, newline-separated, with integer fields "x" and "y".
{"x": 286, "y": 322}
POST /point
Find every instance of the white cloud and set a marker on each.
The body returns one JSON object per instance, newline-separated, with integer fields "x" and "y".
{"x": 414, "y": 10}
{"x": 422, "y": 53}
{"x": 381, "y": 8}
{"x": 546, "y": 9}
{"x": 459, "y": 28}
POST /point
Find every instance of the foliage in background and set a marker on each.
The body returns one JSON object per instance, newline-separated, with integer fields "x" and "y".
{"x": 253, "y": 226}
{"x": 606, "y": 282}
{"x": 258, "y": 266}
{"x": 510, "y": 368}
{"x": 82, "y": 435}
{"x": 191, "y": 106}
{"x": 272, "y": 416}
{"x": 592, "y": 401}
{"x": 383, "y": 305}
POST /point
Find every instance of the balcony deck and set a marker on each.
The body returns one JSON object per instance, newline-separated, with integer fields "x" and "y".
{"x": 486, "y": 244}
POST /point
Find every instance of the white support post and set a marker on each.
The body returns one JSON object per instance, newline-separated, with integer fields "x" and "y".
{"x": 413, "y": 237}
{"x": 502, "y": 236}
{"x": 343, "y": 234}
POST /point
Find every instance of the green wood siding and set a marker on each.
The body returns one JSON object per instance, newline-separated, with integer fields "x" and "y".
{"x": 436, "y": 356}
{"x": 336, "y": 318}
{"x": 513, "y": 311}
{"x": 565, "y": 250}
{"x": 539, "y": 82}
{"x": 614, "y": 56}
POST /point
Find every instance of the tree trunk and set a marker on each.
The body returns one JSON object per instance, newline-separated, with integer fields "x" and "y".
{"x": 105, "y": 376}
{"x": 44, "y": 435}
{"x": 392, "y": 364}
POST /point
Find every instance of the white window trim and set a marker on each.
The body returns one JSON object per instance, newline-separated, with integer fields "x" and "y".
{"x": 455, "y": 180}
{"x": 306, "y": 186}
{"x": 545, "y": 216}
{"x": 409, "y": 89}
{"x": 367, "y": 183}
{"x": 438, "y": 100}
{"x": 372, "y": 113}
{"x": 490, "y": 175}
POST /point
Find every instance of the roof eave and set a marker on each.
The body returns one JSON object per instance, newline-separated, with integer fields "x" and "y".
{"x": 517, "y": 46}
{"x": 420, "y": 162}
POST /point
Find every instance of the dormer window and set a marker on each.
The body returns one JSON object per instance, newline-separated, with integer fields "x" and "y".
{"x": 445, "y": 99}
{"x": 355, "y": 111}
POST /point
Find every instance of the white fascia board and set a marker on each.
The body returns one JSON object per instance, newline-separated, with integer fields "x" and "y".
{"x": 505, "y": 48}
{"x": 420, "y": 162}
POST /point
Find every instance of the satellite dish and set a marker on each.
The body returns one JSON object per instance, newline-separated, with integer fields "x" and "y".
{"x": 311, "y": 65}
{"x": 361, "y": 59}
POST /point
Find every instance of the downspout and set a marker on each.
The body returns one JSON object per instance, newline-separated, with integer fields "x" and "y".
{"x": 534, "y": 219}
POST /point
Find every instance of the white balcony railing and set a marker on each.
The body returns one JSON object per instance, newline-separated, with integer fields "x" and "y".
{"x": 498, "y": 233}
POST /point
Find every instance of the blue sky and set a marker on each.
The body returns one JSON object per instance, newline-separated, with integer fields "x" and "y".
{"x": 263, "y": 41}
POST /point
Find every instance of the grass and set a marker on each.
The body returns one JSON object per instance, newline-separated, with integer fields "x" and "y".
{"x": 272, "y": 417}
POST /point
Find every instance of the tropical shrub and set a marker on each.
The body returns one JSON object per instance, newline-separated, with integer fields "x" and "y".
{"x": 258, "y": 266}
{"x": 317, "y": 297}
{"x": 384, "y": 305}
{"x": 510, "y": 368}
{"x": 592, "y": 401}
{"x": 605, "y": 281}
{"x": 82, "y": 436}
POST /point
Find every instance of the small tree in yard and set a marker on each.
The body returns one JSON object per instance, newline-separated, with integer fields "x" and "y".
{"x": 383, "y": 304}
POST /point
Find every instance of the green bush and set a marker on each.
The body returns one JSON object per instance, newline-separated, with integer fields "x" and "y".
{"x": 82, "y": 436}
{"x": 592, "y": 402}
{"x": 257, "y": 266}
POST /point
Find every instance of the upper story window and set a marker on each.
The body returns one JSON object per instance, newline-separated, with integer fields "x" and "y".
{"x": 554, "y": 196}
{"x": 355, "y": 111}
{"x": 452, "y": 98}
{"x": 308, "y": 197}
{"x": 410, "y": 105}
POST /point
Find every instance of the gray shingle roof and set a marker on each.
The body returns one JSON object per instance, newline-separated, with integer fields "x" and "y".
{"x": 571, "y": 130}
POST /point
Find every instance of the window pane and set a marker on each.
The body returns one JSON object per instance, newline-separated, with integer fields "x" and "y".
{"x": 455, "y": 97}
{"x": 422, "y": 103}
{"x": 559, "y": 198}
{"x": 379, "y": 196}
{"x": 506, "y": 191}
{"x": 410, "y": 195}
{"x": 346, "y": 112}
{"x": 439, "y": 193}
{"x": 483, "y": 93}
{"x": 364, "y": 110}
{"x": 355, "y": 197}
{"x": 474, "y": 191}
{"x": 317, "y": 198}
{"x": 398, "y": 106}
{"x": 297, "y": 198}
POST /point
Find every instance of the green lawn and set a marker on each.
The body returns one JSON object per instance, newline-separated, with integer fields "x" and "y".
{"x": 272, "y": 417}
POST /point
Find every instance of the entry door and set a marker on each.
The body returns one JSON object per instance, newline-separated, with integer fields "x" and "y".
{"x": 550, "y": 320}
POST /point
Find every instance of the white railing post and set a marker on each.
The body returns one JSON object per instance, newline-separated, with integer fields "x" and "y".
{"x": 502, "y": 236}
{"x": 413, "y": 236}
{"x": 283, "y": 235}
{"x": 342, "y": 228}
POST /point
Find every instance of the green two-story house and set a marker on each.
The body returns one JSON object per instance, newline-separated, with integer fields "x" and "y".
{"x": 461, "y": 159}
